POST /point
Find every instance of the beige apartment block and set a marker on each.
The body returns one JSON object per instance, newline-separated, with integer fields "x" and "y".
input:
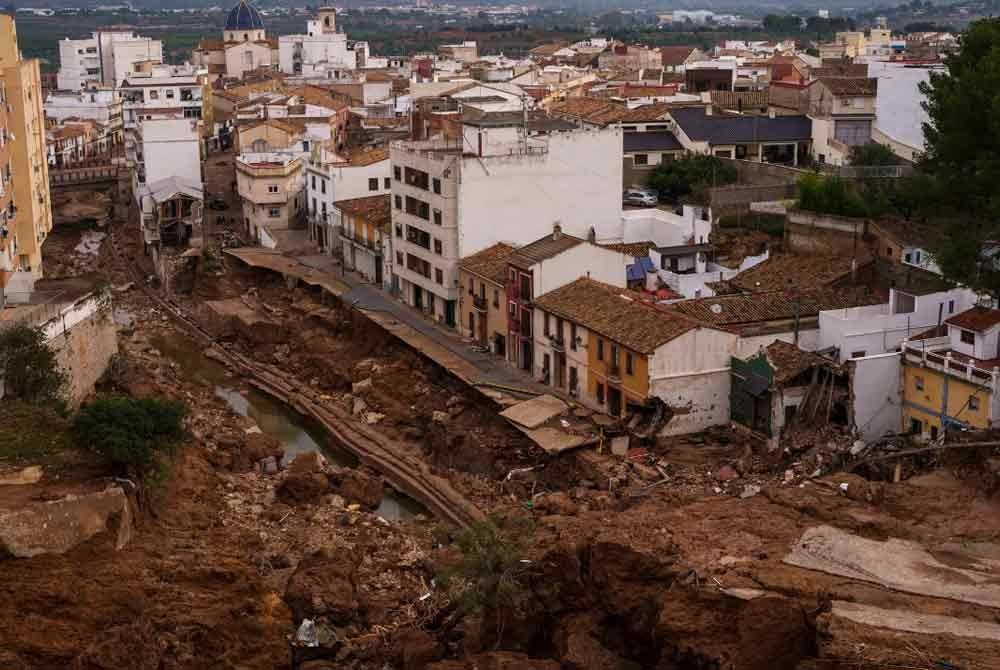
{"x": 271, "y": 189}
{"x": 27, "y": 173}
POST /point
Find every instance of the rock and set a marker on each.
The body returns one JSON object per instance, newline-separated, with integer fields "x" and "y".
{"x": 29, "y": 475}
{"x": 556, "y": 503}
{"x": 440, "y": 417}
{"x": 324, "y": 586}
{"x": 860, "y": 489}
{"x": 361, "y": 386}
{"x": 362, "y": 488}
{"x": 372, "y": 418}
{"x": 417, "y": 648}
{"x": 726, "y": 473}
{"x": 454, "y": 401}
{"x": 269, "y": 465}
{"x": 358, "y": 406}
{"x": 256, "y": 447}
{"x": 302, "y": 487}
{"x": 308, "y": 461}
{"x": 750, "y": 490}
{"x": 337, "y": 501}
{"x": 619, "y": 445}
{"x": 578, "y": 641}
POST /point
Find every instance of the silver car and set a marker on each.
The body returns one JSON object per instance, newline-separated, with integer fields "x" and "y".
{"x": 640, "y": 198}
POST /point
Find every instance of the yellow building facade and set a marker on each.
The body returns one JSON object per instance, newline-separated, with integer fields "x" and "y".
{"x": 934, "y": 399}
{"x": 616, "y": 375}
{"x": 25, "y": 150}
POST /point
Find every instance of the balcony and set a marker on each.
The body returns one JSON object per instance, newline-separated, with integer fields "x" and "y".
{"x": 935, "y": 354}
{"x": 557, "y": 343}
{"x": 614, "y": 374}
{"x": 479, "y": 302}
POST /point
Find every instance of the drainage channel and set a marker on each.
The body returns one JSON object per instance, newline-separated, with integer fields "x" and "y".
{"x": 297, "y": 433}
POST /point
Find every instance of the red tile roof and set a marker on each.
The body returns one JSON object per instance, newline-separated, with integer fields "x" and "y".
{"x": 977, "y": 319}
{"x": 490, "y": 263}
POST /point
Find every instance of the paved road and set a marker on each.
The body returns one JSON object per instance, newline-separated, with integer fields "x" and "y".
{"x": 368, "y": 297}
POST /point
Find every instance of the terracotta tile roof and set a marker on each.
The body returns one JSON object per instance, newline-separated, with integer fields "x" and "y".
{"x": 378, "y": 76}
{"x": 373, "y": 208}
{"x": 633, "y": 249}
{"x": 858, "y": 86}
{"x": 543, "y": 249}
{"x": 978, "y": 319}
{"x": 788, "y": 361}
{"x": 287, "y": 125}
{"x": 756, "y": 308}
{"x": 591, "y": 110}
{"x": 646, "y": 113}
{"x": 671, "y": 56}
{"x": 368, "y": 156}
{"x": 617, "y": 314}
{"x": 490, "y": 263}
{"x": 208, "y": 44}
{"x": 794, "y": 271}
{"x": 740, "y": 100}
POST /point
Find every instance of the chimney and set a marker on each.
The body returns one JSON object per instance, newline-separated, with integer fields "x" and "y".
{"x": 556, "y": 231}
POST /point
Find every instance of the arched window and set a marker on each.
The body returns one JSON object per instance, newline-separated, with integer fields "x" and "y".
{"x": 326, "y": 21}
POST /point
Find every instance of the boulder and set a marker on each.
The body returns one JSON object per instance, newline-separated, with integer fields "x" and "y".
{"x": 360, "y": 487}
{"x": 302, "y": 485}
{"x": 361, "y": 386}
{"x": 726, "y": 473}
{"x": 324, "y": 586}
{"x": 556, "y": 503}
{"x": 256, "y": 447}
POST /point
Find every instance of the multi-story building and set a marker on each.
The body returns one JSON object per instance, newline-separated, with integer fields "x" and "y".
{"x": 363, "y": 233}
{"x": 482, "y": 300}
{"x": 630, "y": 57}
{"x": 951, "y": 375}
{"x": 322, "y": 53}
{"x": 270, "y": 186}
{"x": 104, "y": 59}
{"x": 619, "y": 354}
{"x": 497, "y": 183}
{"x": 25, "y": 179}
{"x": 842, "y": 110}
{"x": 102, "y": 105}
{"x": 163, "y": 148}
{"x": 543, "y": 266}
{"x": 244, "y": 46}
{"x": 463, "y": 52}
{"x": 331, "y": 177}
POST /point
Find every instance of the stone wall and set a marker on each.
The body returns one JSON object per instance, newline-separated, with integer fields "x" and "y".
{"x": 85, "y": 349}
{"x": 824, "y": 234}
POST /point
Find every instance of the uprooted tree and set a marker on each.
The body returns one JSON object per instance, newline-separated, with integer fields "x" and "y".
{"x": 135, "y": 435}
{"x": 28, "y": 367}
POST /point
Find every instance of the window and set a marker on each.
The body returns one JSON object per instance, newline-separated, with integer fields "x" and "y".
{"x": 314, "y": 206}
{"x": 397, "y": 173}
{"x": 418, "y": 208}
{"x": 496, "y": 297}
{"x": 437, "y": 185}
{"x": 951, "y": 306}
{"x": 973, "y": 403}
{"x": 600, "y": 349}
{"x": 154, "y": 95}
{"x": 438, "y": 276}
{"x": 916, "y": 427}
{"x": 399, "y": 258}
{"x": 600, "y": 392}
{"x": 572, "y": 337}
{"x": 170, "y": 94}
{"x": 398, "y": 200}
{"x": 526, "y": 288}
{"x": 322, "y": 186}
{"x": 274, "y": 212}
{"x": 545, "y": 328}
{"x": 906, "y": 258}
{"x": 512, "y": 308}
{"x": 888, "y": 252}
{"x": 417, "y": 178}
{"x": 387, "y": 183}
{"x": 968, "y": 337}
{"x": 641, "y": 159}
{"x": 373, "y": 184}
{"x": 314, "y": 181}
{"x": 437, "y": 217}
{"x": 858, "y": 354}
{"x": 918, "y": 382}
{"x": 273, "y": 188}
{"x": 629, "y": 369}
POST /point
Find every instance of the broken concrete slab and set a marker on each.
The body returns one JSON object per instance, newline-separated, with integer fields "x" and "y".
{"x": 555, "y": 441}
{"x": 619, "y": 445}
{"x": 897, "y": 564}
{"x": 29, "y": 475}
{"x": 57, "y": 526}
{"x": 915, "y": 622}
{"x": 533, "y": 413}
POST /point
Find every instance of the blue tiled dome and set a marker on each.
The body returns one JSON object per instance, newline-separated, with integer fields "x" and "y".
{"x": 244, "y": 17}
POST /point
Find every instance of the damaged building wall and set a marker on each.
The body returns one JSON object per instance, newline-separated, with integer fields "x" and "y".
{"x": 875, "y": 393}
{"x": 691, "y": 375}
{"x": 808, "y": 339}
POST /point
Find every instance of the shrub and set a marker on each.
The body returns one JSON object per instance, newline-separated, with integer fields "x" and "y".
{"x": 830, "y": 195}
{"x": 133, "y": 434}
{"x": 678, "y": 178}
{"x": 28, "y": 367}
{"x": 873, "y": 153}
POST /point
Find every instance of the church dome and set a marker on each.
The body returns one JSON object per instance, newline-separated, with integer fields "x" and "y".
{"x": 244, "y": 17}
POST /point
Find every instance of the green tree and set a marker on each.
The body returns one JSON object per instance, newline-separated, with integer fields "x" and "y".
{"x": 830, "y": 195}
{"x": 28, "y": 366}
{"x": 133, "y": 434}
{"x": 962, "y": 139}
{"x": 492, "y": 574}
{"x": 873, "y": 153}
{"x": 689, "y": 175}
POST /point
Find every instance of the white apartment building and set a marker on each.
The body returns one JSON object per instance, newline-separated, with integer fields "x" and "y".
{"x": 322, "y": 53}
{"x": 497, "y": 184}
{"x": 104, "y": 59}
{"x": 160, "y": 148}
{"x": 163, "y": 91}
{"x": 331, "y": 177}
{"x": 102, "y": 105}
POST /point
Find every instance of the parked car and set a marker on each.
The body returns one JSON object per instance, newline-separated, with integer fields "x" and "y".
{"x": 640, "y": 198}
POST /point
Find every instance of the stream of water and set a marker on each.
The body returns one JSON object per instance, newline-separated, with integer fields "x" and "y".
{"x": 297, "y": 433}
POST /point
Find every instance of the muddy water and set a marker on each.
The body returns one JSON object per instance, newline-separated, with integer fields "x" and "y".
{"x": 297, "y": 433}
